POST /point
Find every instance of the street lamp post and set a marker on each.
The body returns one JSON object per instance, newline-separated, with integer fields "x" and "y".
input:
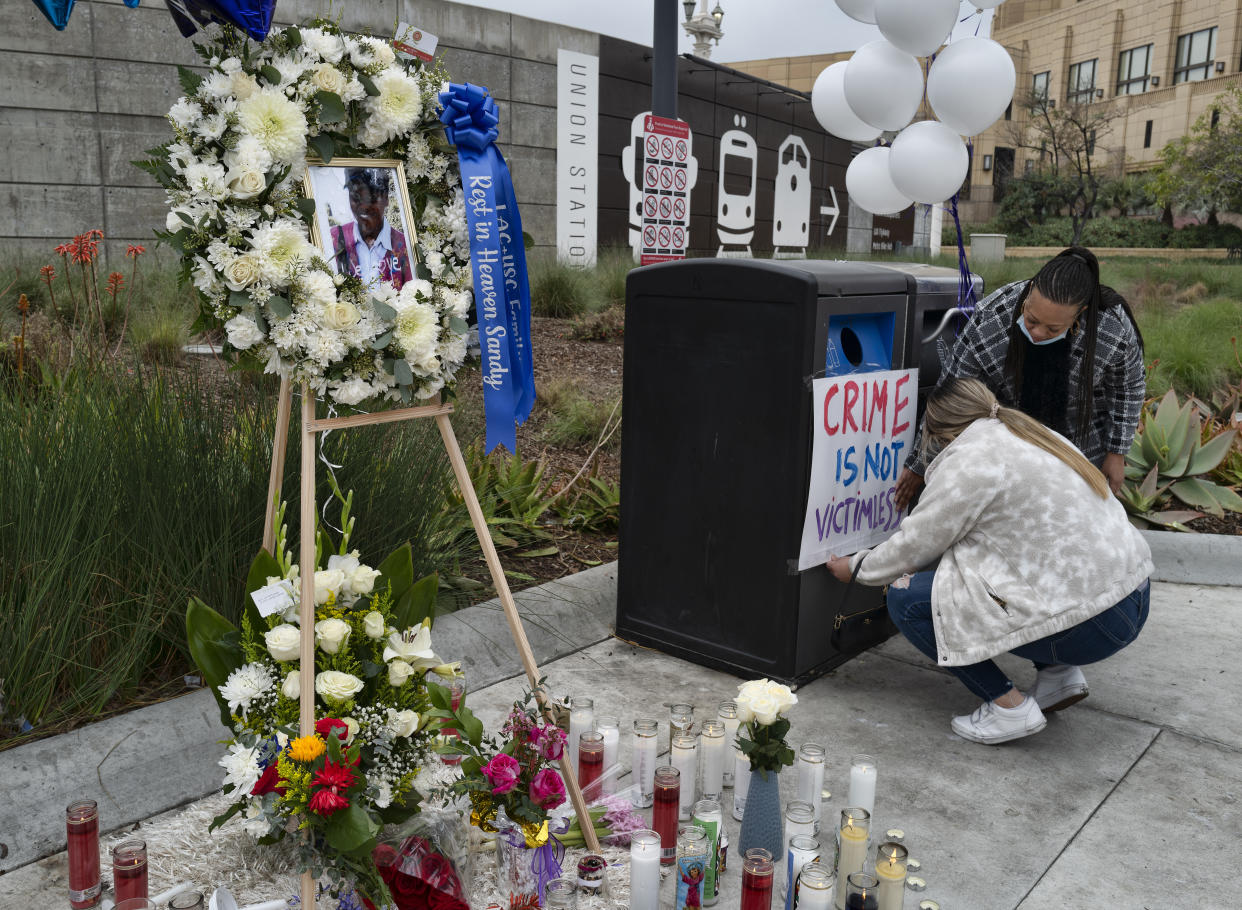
{"x": 703, "y": 26}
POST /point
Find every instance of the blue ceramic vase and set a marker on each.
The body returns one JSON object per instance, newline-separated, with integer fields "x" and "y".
{"x": 762, "y": 821}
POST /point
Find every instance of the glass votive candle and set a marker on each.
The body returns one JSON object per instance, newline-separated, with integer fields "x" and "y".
{"x": 187, "y": 900}
{"x": 457, "y": 693}
{"x": 691, "y": 872}
{"x": 592, "y": 870}
{"x": 741, "y": 782}
{"x": 667, "y": 801}
{"x": 712, "y": 753}
{"x": 680, "y": 719}
{"x": 757, "y": 873}
{"x": 800, "y": 849}
{"x": 727, "y": 715}
{"x": 814, "y": 886}
{"x": 645, "y": 869}
{"x": 129, "y": 870}
{"x": 590, "y": 764}
{"x": 643, "y": 760}
{"x": 561, "y": 893}
{"x": 685, "y": 758}
{"x": 852, "y": 838}
{"x": 890, "y": 871}
{"x": 82, "y": 831}
{"x": 581, "y": 720}
{"x": 811, "y": 776}
{"x": 708, "y": 816}
{"x": 610, "y": 728}
{"x": 860, "y": 892}
{"x": 862, "y": 782}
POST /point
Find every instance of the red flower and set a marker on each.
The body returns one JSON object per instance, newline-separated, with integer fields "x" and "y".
{"x": 327, "y": 725}
{"x": 116, "y": 281}
{"x": 331, "y": 779}
{"x": 325, "y": 802}
{"x": 133, "y": 251}
{"x": 268, "y": 782}
{"x": 64, "y": 249}
{"x": 48, "y": 273}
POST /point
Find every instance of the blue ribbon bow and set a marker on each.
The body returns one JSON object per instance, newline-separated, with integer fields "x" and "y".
{"x": 497, "y": 259}
{"x": 254, "y": 17}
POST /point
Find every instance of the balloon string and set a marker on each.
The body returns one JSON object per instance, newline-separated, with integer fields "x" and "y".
{"x": 966, "y": 298}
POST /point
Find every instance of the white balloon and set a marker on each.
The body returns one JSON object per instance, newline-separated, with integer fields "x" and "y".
{"x": 918, "y": 27}
{"x": 928, "y": 162}
{"x": 970, "y": 84}
{"x": 870, "y": 184}
{"x": 862, "y": 10}
{"x": 883, "y": 85}
{"x": 833, "y": 111}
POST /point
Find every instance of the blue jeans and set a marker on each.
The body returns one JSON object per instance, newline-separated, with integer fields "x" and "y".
{"x": 1090, "y": 641}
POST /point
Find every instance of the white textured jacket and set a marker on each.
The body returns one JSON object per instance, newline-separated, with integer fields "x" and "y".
{"x": 1027, "y": 548}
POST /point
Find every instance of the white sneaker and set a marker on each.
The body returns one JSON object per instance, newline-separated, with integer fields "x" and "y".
{"x": 991, "y": 724}
{"x": 1058, "y": 687}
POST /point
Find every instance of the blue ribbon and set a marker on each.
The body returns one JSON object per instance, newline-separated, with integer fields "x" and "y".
{"x": 498, "y": 261}
{"x": 57, "y": 11}
{"x": 254, "y": 17}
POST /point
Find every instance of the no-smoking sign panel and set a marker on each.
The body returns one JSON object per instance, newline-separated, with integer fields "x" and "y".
{"x": 666, "y": 184}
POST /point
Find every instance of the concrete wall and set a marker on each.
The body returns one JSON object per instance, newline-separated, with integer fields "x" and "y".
{"x": 77, "y": 106}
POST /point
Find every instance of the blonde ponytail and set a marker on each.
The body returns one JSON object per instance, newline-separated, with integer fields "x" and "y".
{"x": 959, "y": 403}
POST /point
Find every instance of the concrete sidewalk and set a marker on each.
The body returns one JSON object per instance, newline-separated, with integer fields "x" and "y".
{"x": 1127, "y": 800}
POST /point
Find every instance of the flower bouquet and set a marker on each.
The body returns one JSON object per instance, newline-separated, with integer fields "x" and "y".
{"x": 512, "y": 786}
{"x": 761, "y": 737}
{"x": 333, "y": 789}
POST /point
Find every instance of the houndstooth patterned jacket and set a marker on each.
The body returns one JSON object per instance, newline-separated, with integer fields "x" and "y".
{"x": 1120, "y": 376}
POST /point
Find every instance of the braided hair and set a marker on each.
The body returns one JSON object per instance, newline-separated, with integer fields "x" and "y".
{"x": 1071, "y": 278}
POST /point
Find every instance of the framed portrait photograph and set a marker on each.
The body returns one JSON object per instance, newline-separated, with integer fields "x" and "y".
{"x": 363, "y": 221}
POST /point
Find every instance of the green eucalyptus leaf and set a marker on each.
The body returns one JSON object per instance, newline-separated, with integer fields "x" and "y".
{"x": 279, "y": 304}
{"x": 331, "y": 107}
{"x": 323, "y": 146}
{"x": 368, "y": 84}
{"x": 270, "y": 74}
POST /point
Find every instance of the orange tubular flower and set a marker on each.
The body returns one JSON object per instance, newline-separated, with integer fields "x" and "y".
{"x": 133, "y": 251}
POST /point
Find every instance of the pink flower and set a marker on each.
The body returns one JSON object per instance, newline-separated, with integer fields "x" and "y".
{"x": 549, "y": 741}
{"x": 547, "y": 790}
{"x": 502, "y": 773}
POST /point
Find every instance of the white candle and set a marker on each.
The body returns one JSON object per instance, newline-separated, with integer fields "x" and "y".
{"x": 728, "y": 716}
{"x": 713, "y": 759}
{"x": 608, "y": 726}
{"x": 581, "y": 720}
{"x": 685, "y": 758}
{"x": 890, "y": 871}
{"x": 811, "y": 777}
{"x": 815, "y": 888}
{"x": 852, "y": 854}
{"x": 741, "y": 782}
{"x": 644, "y": 870}
{"x": 643, "y": 761}
{"x": 862, "y": 784}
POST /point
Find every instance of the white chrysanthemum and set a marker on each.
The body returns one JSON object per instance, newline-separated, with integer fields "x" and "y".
{"x": 244, "y": 684}
{"x": 290, "y": 69}
{"x": 326, "y": 347}
{"x": 211, "y": 128}
{"x": 278, "y": 124}
{"x": 184, "y": 113}
{"x": 329, "y": 47}
{"x": 249, "y": 154}
{"x": 366, "y": 52}
{"x": 205, "y": 179}
{"x": 453, "y": 349}
{"x": 243, "y": 332}
{"x": 394, "y": 111}
{"x": 416, "y": 329}
{"x": 280, "y": 246}
{"x": 353, "y": 391}
{"x": 241, "y": 766}
{"x": 318, "y": 287}
{"x": 215, "y": 85}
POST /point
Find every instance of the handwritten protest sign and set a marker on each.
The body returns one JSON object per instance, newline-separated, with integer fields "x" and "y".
{"x": 862, "y": 426}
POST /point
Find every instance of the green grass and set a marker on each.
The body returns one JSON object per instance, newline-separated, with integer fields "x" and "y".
{"x": 1192, "y": 346}
{"x": 574, "y": 419}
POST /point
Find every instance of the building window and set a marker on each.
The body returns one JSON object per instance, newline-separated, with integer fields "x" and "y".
{"x": 1080, "y": 87}
{"x": 1147, "y": 135}
{"x": 1196, "y": 53}
{"x": 1039, "y": 90}
{"x": 1133, "y": 70}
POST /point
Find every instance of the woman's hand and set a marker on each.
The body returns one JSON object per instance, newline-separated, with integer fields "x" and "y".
{"x": 839, "y": 566}
{"x": 908, "y": 483}
{"x": 1114, "y": 468}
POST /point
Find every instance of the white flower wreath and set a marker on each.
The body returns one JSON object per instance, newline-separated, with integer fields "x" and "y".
{"x": 234, "y": 176}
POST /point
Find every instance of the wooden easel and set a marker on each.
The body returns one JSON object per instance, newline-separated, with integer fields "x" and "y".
{"x": 310, "y": 426}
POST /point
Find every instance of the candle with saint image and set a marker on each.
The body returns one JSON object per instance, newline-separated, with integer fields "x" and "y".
{"x": 811, "y": 776}
{"x": 741, "y": 782}
{"x": 862, "y": 783}
{"x": 727, "y": 713}
{"x": 851, "y": 847}
{"x": 129, "y": 869}
{"x": 82, "y": 828}
{"x": 712, "y": 747}
{"x": 591, "y": 764}
{"x": 757, "y": 880}
{"x": 667, "y": 799}
{"x": 581, "y": 720}
{"x": 609, "y": 727}
{"x": 685, "y": 758}
{"x": 890, "y": 870}
{"x": 457, "y": 691}
{"x": 644, "y": 870}
{"x": 643, "y": 760}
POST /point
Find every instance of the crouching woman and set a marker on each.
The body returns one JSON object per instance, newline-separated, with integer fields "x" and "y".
{"x": 1036, "y": 559}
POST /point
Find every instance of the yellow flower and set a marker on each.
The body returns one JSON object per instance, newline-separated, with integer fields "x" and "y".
{"x": 306, "y": 748}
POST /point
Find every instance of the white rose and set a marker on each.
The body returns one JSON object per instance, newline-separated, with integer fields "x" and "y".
{"x": 782, "y": 695}
{"x": 398, "y": 672}
{"x": 242, "y": 272}
{"x": 362, "y": 581}
{"x": 329, "y": 79}
{"x": 744, "y": 714}
{"x": 292, "y": 686}
{"x": 333, "y": 685}
{"x": 352, "y": 727}
{"x": 284, "y": 642}
{"x": 373, "y": 624}
{"x": 402, "y": 723}
{"x": 327, "y": 585}
{"x": 340, "y": 314}
{"x": 243, "y": 333}
{"x": 765, "y": 708}
{"x": 244, "y": 85}
{"x": 246, "y": 182}
{"x": 330, "y": 634}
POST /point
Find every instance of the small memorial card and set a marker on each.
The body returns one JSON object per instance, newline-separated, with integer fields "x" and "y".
{"x": 274, "y": 598}
{"x": 414, "y": 42}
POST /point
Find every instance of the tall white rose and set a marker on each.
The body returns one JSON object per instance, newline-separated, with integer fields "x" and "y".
{"x": 242, "y": 271}
{"x": 284, "y": 642}
{"x": 362, "y": 580}
{"x": 329, "y": 79}
{"x": 244, "y": 183}
{"x": 765, "y": 708}
{"x": 331, "y": 634}
{"x": 335, "y": 686}
{"x": 328, "y": 585}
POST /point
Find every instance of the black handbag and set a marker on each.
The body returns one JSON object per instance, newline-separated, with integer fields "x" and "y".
{"x": 853, "y": 633}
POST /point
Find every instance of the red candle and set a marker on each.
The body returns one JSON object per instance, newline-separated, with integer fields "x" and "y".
{"x": 590, "y": 764}
{"x": 757, "y": 880}
{"x": 82, "y": 827}
{"x": 129, "y": 869}
{"x": 457, "y": 691}
{"x": 664, "y": 814}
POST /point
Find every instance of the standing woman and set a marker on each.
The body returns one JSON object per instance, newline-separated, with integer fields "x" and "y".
{"x": 1061, "y": 348}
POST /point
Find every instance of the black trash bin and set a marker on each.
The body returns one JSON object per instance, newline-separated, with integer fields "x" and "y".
{"x": 715, "y": 462}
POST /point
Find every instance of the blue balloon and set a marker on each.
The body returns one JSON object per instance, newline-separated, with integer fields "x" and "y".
{"x": 254, "y": 17}
{"x": 57, "y": 11}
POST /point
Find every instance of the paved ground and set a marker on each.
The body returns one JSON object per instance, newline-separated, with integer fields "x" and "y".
{"x": 1127, "y": 800}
